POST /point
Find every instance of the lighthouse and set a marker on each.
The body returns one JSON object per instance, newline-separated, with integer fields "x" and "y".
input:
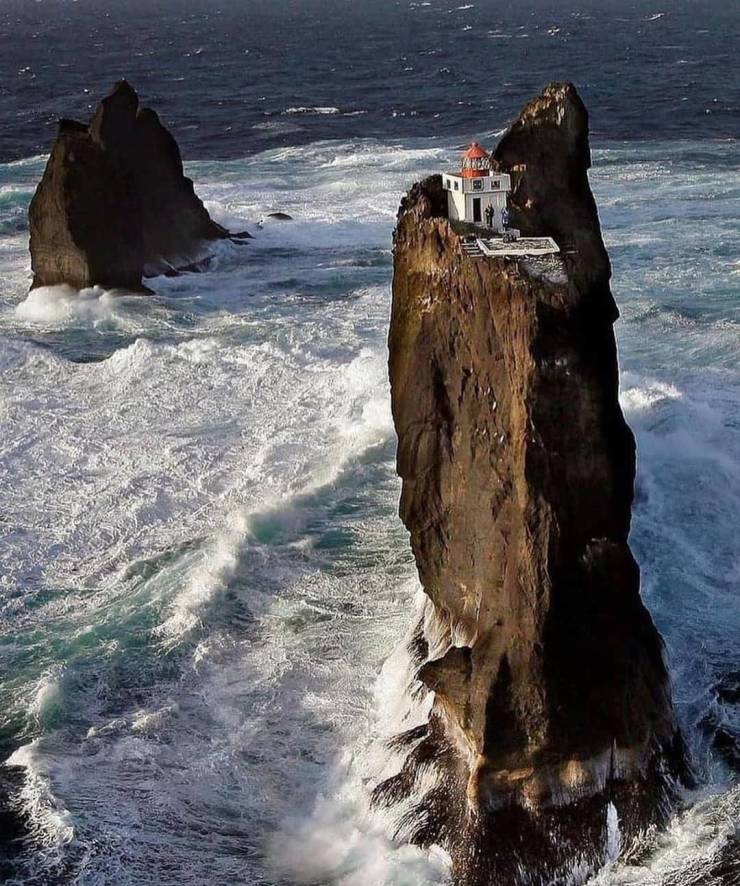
{"x": 476, "y": 194}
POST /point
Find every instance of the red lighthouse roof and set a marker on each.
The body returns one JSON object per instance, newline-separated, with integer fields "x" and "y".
{"x": 475, "y": 162}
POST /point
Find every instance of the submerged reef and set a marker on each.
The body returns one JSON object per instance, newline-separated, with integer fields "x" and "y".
{"x": 113, "y": 205}
{"x": 552, "y": 739}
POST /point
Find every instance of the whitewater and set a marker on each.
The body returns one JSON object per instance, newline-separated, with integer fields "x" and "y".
{"x": 204, "y": 584}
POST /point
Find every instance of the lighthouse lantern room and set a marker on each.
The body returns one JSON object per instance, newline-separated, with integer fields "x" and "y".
{"x": 476, "y": 194}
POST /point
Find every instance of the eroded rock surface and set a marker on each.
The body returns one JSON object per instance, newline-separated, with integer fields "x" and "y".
{"x": 551, "y": 697}
{"x": 114, "y": 205}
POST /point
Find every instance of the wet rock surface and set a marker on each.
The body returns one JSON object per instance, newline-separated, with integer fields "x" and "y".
{"x": 114, "y": 205}
{"x": 552, "y": 737}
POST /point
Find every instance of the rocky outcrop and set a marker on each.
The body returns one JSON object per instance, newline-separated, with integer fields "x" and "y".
{"x": 114, "y": 205}
{"x": 551, "y": 736}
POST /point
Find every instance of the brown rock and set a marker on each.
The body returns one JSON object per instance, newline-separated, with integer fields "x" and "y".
{"x": 114, "y": 204}
{"x": 551, "y": 697}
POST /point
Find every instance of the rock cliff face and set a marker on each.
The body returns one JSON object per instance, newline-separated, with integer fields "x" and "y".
{"x": 114, "y": 205}
{"x": 552, "y": 708}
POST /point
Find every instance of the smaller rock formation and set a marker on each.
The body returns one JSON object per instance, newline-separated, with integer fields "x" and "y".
{"x": 114, "y": 205}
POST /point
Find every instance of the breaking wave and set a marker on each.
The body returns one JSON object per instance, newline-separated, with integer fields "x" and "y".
{"x": 319, "y": 111}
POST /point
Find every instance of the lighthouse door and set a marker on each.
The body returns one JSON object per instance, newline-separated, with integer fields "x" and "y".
{"x": 476, "y": 209}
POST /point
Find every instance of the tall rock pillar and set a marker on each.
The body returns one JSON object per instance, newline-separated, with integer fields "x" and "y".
{"x": 551, "y": 697}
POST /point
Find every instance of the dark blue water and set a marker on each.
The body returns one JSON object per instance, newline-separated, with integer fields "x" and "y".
{"x": 226, "y": 73}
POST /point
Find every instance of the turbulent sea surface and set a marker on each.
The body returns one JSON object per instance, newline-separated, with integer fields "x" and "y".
{"x": 202, "y": 575}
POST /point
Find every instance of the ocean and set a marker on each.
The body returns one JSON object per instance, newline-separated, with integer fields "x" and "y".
{"x": 204, "y": 584}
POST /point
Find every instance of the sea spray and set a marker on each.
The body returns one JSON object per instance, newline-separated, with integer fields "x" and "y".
{"x": 343, "y": 840}
{"x": 613, "y": 837}
{"x": 62, "y": 306}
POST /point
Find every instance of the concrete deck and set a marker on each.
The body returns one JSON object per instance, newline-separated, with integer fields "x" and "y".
{"x": 494, "y": 247}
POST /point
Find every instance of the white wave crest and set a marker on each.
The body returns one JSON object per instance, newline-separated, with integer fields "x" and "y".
{"x": 50, "y": 821}
{"x": 318, "y": 110}
{"x": 207, "y": 580}
{"x": 47, "y": 695}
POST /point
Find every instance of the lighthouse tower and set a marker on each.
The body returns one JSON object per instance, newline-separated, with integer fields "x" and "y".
{"x": 475, "y": 188}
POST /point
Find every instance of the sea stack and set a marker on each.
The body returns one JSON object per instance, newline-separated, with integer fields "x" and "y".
{"x": 551, "y": 740}
{"x": 114, "y": 205}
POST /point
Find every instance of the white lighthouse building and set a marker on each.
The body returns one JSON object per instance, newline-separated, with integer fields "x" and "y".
{"x": 476, "y": 194}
